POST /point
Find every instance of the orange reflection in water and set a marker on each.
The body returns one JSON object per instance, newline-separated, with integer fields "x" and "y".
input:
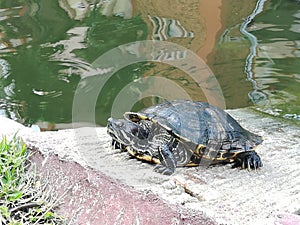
{"x": 211, "y": 13}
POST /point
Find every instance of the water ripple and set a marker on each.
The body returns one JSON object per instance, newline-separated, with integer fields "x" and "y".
{"x": 164, "y": 28}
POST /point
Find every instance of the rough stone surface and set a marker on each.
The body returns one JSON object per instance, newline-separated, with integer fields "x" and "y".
{"x": 229, "y": 196}
{"x": 9, "y": 128}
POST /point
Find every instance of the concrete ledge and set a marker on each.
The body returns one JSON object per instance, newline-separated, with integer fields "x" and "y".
{"x": 9, "y": 128}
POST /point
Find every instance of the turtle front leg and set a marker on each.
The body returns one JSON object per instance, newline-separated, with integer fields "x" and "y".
{"x": 167, "y": 161}
{"x": 248, "y": 160}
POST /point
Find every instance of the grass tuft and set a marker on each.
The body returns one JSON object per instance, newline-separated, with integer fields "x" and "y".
{"x": 24, "y": 199}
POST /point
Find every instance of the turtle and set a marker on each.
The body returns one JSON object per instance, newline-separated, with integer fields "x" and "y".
{"x": 182, "y": 133}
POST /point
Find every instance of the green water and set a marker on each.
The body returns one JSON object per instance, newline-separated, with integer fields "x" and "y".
{"x": 277, "y": 64}
{"x": 45, "y": 50}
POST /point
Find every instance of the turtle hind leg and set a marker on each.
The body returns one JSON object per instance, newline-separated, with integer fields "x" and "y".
{"x": 167, "y": 161}
{"x": 247, "y": 160}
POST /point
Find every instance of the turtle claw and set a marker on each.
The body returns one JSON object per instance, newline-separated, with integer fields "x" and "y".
{"x": 248, "y": 160}
{"x": 164, "y": 170}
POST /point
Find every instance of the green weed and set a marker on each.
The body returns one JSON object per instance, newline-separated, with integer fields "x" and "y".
{"x": 24, "y": 199}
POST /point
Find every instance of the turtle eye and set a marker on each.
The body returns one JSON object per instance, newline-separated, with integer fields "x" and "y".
{"x": 134, "y": 130}
{"x": 139, "y": 131}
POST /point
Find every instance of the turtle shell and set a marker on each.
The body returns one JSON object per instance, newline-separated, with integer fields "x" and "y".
{"x": 201, "y": 125}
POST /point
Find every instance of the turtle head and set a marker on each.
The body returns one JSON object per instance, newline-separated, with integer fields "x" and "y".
{"x": 126, "y": 132}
